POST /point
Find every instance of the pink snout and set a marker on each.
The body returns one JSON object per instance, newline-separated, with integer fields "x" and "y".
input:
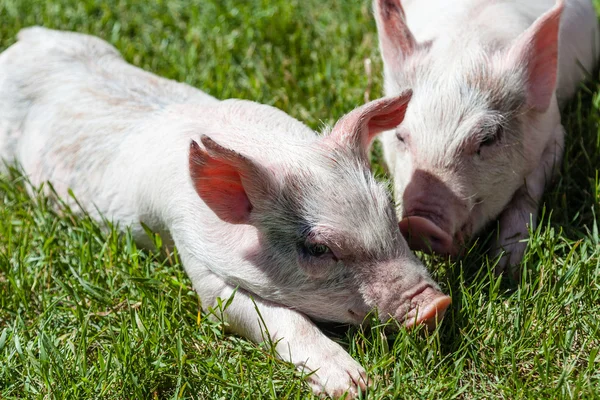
{"x": 429, "y": 308}
{"x": 423, "y": 234}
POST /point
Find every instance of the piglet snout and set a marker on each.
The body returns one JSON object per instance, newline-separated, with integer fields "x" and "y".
{"x": 428, "y": 308}
{"x": 423, "y": 234}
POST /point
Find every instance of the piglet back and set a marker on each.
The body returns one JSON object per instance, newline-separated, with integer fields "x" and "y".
{"x": 38, "y": 39}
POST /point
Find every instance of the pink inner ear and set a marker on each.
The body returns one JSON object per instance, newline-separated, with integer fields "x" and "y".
{"x": 360, "y": 126}
{"x": 220, "y": 186}
{"x": 386, "y": 121}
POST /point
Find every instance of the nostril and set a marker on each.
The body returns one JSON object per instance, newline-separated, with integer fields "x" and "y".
{"x": 436, "y": 240}
{"x": 432, "y": 306}
{"x": 434, "y": 312}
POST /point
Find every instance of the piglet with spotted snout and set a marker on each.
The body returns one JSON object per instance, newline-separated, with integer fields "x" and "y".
{"x": 252, "y": 198}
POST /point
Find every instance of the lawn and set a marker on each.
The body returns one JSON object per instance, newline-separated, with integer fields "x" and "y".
{"x": 85, "y": 314}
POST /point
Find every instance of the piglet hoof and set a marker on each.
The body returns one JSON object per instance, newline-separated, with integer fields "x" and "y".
{"x": 338, "y": 376}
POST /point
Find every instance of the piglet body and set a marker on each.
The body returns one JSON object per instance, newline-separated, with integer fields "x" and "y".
{"x": 482, "y": 135}
{"x": 251, "y": 197}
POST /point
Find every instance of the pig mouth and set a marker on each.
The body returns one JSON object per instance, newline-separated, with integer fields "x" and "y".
{"x": 356, "y": 316}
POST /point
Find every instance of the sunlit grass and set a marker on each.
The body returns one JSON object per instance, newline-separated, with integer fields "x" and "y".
{"x": 84, "y": 313}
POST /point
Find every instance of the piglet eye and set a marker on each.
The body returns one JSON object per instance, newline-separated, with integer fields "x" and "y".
{"x": 316, "y": 250}
{"x": 400, "y": 137}
{"x": 491, "y": 139}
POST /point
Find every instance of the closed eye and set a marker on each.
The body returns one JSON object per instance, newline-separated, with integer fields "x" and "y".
{"x": 491, "y": 138}
{"x": 488, "y": 141}
{"x": 401, "y": 136}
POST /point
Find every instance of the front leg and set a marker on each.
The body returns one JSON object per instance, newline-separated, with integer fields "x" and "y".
{"x": 296, "y": 338}
{"x": 523, "y": 208}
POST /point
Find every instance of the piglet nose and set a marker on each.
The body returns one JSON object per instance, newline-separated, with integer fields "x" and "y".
{"x": 423, "y": 234}
{"x": 430, "y": 311}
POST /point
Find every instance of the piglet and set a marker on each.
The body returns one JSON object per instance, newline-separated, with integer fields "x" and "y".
{"x": 252, "y": 198}
{"x": 482, "y": 136}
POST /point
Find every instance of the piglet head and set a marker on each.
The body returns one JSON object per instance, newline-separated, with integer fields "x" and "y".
{"x": 328, "y": 240}
{"x": 475, "y": 129}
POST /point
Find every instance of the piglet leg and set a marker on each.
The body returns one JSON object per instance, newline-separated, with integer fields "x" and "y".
{"x": 296, "y": 338}
{"x": 523, "y": 208}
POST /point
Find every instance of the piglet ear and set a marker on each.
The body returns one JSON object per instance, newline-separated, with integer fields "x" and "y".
{"x": 360, "y": 126}
{"x": 228, "y": 182}
{"x": 536, "y": 50}
{"x": 395, "y": 39}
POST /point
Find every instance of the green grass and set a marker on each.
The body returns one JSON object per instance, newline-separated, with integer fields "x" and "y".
{"x": 84, "y": 313}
